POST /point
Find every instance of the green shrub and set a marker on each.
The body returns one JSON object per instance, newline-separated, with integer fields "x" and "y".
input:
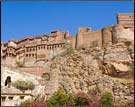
{"x": 23, "y": 85}
{"x": 26, "y": 103}
{"x": 53, "y": 57}
{"x": 106, "y": 99}
{"x": 19, "y": 63}
{"x": 68, "y": 50}
{"x": 59, "y": 98}
{"x": 81, "y": 99}
{"x": 37, "y": 98}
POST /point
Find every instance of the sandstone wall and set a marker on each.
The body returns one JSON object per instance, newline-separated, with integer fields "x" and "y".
{"x": 120, "y": 34}
{"x": 127, "y": 20}
{"x": 73, "y": 41}
{"x": 86, "y": 38}
{"x": 92, "y": 38}
{"x": 107, "y": 37}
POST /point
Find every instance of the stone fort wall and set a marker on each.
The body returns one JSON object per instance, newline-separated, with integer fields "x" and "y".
{"x": 106, "y": 36}
{"x": 31, "y": 49}
{"x": 43, "y": 47}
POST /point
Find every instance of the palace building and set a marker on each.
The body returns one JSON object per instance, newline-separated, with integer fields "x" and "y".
{"x": 32, "y": 49}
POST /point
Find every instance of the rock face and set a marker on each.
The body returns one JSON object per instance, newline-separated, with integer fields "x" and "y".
{"x": 122, "y": 34}
{"x": 94, "y": 67}
{"x": 117, "y": 59}
{"x": 87, "y": 69}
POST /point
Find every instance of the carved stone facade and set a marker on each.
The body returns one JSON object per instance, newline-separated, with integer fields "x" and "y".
{"x": 30, "y": 50}
{"x": 38, "y": 48}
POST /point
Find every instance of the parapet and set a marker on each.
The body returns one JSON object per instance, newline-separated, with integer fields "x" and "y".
{"x": 127, "y": 20}
{"x": 83, "y": 29}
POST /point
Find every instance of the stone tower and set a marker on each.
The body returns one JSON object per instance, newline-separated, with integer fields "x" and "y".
{"x": 126, "y": 20}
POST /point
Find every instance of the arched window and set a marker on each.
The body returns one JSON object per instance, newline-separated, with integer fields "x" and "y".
{"x": 8, "y": 81}
{"x": 26, "y": 55}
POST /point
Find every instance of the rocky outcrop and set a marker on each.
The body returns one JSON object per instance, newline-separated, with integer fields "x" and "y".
{"x": 116, "y": 60}
{"x": 87, "y": 69}
{"x": 121, "y": 34}
{"x": 82, "y": 70}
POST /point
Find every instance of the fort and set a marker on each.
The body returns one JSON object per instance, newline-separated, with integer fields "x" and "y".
{"x": 32, "y": 49}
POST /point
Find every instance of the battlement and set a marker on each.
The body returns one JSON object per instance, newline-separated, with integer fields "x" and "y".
{"x": 127, "y": 20}
{"x": 43, "y": 47}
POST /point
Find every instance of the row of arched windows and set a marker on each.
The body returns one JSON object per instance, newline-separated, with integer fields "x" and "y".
{"x": 30, "y": 55}
{"x": 9, "y": 54}
{"x": 44, "y": 47}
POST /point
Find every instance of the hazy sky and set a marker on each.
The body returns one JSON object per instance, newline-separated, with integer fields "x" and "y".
{"x": 20, "y": 19}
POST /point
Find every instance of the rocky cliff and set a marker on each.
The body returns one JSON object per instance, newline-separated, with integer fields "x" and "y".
{"x": 110, "y": 69}
{"x": 105, "y": 68}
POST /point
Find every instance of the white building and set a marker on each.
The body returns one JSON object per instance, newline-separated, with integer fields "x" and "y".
{"x": 13, "y": 97}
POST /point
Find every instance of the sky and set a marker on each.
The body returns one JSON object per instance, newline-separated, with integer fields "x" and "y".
{"x": 21, "y": 19}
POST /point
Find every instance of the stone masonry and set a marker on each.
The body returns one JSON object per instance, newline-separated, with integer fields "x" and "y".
{"x": 32, "y": 49}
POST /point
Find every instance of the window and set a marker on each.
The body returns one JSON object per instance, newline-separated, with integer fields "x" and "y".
{"x": 3, "y": 98}
{"x": 32, "y": 55}
{"x": 8, "y": 81}
{"x": 126, "y": 27}
{"x": 21, "y": 97}
{"x": 10, "y": 98}
{"x": 131, "y": 16}
{"x": 26, "y": 55}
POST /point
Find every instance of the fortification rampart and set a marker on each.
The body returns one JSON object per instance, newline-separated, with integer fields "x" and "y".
{"x": 43, "y": 47}
{"x": 89, "y": 38}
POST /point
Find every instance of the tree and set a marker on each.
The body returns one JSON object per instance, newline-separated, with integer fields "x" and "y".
{"x": 23, "y": 85}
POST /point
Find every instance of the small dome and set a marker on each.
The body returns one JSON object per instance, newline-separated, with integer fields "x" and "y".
{"x": 12, "y": 44}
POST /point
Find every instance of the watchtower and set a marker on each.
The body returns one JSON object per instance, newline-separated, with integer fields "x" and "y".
{"x": 126, "y": 20}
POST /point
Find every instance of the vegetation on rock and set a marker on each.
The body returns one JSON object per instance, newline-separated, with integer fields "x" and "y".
{"x": 107, "y": 99}
{"x": 59, "y": 98}
{"x": 19, "y": 63}
{"x": 23, "y": 85}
